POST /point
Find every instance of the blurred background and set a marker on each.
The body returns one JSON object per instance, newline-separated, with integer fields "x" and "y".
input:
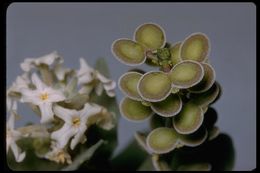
{"x": 88, "y": 29}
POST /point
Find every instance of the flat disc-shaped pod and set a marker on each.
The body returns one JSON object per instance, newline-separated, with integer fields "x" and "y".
{"x": 159, "y": 164}
{"x": 134, "y": 110}
{"x": 169, "y": 107}
{"x": 150, "y": 35}
{"x": 189, "y": 119}
{"x": 186, "y": 74}
{"x": 128, "y": 84}
{"x": 194, "y": 139}
{"x": 162, "y": 140}
{"x": 202, "y": 166}
{"x": 195, "y": 47}
{"x": 128, "y": 52}
{"x": 207, "y": 97}
{"x": 175, "y": 53}
{"x": 207, "y": 80}
{"x": 213, "y": 133}
{"x": 154, "y": 86}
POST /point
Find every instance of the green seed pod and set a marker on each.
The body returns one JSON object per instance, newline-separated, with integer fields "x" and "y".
{"x": 203, "y": 166}
{"x": 206, "y": 98}
{"x": 154, "y": 86}
{"x": 207, "y": 81}
{"x": 186, "y": 74}
{"x": 162, "y": 140}
{"x": 195, "y": 47}
{"x": 219, "y": 92}
{"x": 194, "y": 139}
{"x": 128, "y": 84}
{"x": 151, "y": 35}
{"x": 168, "y": 107}
{"x": 189, "y": 119}
{"x": 128, "y": 52}
{"x": 213, "y": 133}
{"x": 134, "y": 110}
{"x": 175, "y": 53}
{"x": 159, "y": 164}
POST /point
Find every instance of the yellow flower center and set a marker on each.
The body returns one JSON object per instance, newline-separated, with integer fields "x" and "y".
{"x": 76, "y": 121}
{"x": 44, "y": 96}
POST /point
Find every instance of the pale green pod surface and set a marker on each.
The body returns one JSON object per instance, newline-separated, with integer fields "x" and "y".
{"x": 159, "y": 164}
{"x": 207, "y": 80}
{"x": 168, "y": 107}
{"x": 207, "y": 97}
{"x": 128, "y": 84}
{"x": 175, "y": 53}
{"x": 189, "y": 119}
{"x": 128, "y": 52}
{"x": 186, "y": 74}
{"x": 150, "y": 35}
{"x": 195, "y": 167}
{"x": 220, "y": 90}
{"x": 162, "y": 140}
{"x": 213, "y": 133}
{"x": 194, "y": 139}
{"x": 134, "y": 110}
{"x": 154, "y": 86}
{"x": 195, "y": 47}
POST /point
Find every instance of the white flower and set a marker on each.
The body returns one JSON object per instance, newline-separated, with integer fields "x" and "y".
{"x": 61, "y": 72}
{"x": 43, "y": 96}
{"x": 21, "y": 82}
{"x": 12, "y": 136}
{"x": 58, "y": 155}
{"x": 93, "y": 79}
{"x": 12, "y": 92}
{"x": 75, "y": 124}
{"x": 49, "y": 59}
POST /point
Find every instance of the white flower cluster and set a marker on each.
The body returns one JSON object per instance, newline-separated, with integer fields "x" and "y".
{"x": 57, "y": 94}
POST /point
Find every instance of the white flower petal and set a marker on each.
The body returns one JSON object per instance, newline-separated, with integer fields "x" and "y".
{"x": 11, "y": 121}
{"x": 84, "y": 67}
{"x": 31, "y": 96}
{"x": 17, "y": 152}
{"x": 102, "y": 78}
{"x": 89, "y": 110}
{"x": 78, "y": 137}
{"x": 99, "y": 89}
{"x": 27, "y": 64}
{"x": 55, "y": 95}
{"x": 86, "y": 89}
{"x": 111, "y": 93}
{"x": 85, "y": 74}
{"x": 64, "y": 114}
{"x": 63, "y": 135}
{"x": 85, "y": 78}
{"x": 37, "y": 82}
{"x": 49, "y": 59}
{"x": 60, "y": 71}
{"x": 46, "y": 112}
{"x": 110, "y": 86}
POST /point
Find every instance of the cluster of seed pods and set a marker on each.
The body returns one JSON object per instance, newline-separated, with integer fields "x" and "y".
{"x": 175, "y": 96}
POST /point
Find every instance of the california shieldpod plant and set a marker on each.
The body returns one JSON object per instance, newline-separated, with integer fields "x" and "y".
{"x": 175, "y": 96}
